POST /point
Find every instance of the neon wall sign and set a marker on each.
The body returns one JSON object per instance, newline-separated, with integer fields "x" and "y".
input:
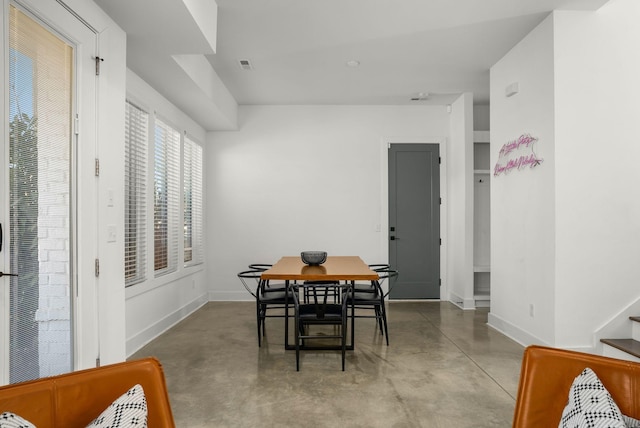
{"x": 517, "y": 154}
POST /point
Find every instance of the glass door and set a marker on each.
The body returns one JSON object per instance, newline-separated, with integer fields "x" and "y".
{"x": 37, "y": 289}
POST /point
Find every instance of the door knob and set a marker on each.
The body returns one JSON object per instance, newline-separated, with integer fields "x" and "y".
{"x": 7, "y": 274}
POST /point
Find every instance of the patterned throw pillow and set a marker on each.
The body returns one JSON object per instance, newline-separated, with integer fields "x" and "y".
{"x": 630, "y": 422}
{"x": 129, "y": 410}
{"x": 11, "y": 420}
{"x": 590, "y": 405}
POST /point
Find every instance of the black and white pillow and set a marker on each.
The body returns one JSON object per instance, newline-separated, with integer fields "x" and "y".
{"x": 630, "y": 422}
{"x": 590, "y": 405}
{"x": 11, "y": 420}
{"x": 128, "y": 411}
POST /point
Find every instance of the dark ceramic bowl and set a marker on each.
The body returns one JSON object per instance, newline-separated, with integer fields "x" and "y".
{"x": 313, "y": 258}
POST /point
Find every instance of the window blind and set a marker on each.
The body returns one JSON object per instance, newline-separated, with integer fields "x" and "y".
{"x": 37, "y": 188}
{"x": 192, "y": 193}
{"x": 136, "y": 141}
{"x": 166, "y": 197}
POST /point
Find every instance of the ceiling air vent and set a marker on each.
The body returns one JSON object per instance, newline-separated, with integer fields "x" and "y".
{"x": 245, "y": 64}
{"x": 421, "y": 96}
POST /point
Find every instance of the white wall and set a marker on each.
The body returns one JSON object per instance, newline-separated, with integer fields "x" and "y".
{"x": 157, "y": 304}
{"x": 460, "y": 203}
{"x": 597, "y": 175}
{"x": 299, "y": 178}
{"x": 565, "y": 235}
{"x": 110, "y": 151}
{"x": 523, "y": 202}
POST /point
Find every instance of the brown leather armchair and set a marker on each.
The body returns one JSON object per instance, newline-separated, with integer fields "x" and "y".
{"x": 546, "y": 377}
{"x": 75, "y": 399}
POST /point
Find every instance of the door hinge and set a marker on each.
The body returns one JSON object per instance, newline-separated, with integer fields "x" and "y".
{"x": 97, "y": 167}
{"x": 439, "y": 160}
{"x": 440, "y": 201}
{"x": 98, "y": 362}
{"x": 439, "y": 281}
{"x": 97, "y": 268}
{"x": 76, "y": 125}
{"x": 98, "y": 61}
{"x": 440, "y": 241}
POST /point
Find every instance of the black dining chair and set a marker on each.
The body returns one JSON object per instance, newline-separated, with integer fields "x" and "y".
{"x": 261, "y": 267}
{"x": 319, "y": 310}
{"x": 371, "y": 297}
{"x": 267, "y": 299}
{"x": 379, "y": 266}
{"x": 369, "y": 286}
{"x": 334, "y": 290}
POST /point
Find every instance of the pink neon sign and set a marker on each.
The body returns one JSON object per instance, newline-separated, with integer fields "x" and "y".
{"x": 517, "y": 154}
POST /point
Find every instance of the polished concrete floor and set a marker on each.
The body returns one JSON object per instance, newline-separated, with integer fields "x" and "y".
{"x": 444, "y": 368}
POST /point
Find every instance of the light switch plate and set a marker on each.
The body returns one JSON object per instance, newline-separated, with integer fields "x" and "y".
{"x": 111, "y": 233}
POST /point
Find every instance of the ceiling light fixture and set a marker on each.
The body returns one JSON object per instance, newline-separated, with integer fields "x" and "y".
{"x": 353, "y": 63}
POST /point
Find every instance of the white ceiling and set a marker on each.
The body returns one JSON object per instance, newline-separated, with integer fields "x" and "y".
{"x": 299, "y": 49}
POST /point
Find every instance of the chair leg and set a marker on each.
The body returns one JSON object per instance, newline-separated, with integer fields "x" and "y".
{"x": 298, "y": 328}
{"x": 379, "y": 319}
{"x": 384, "y": 320}
{"x": 344, "y": 340}
{"x": 302, "y": 331}
{"x": 258, "y": 319}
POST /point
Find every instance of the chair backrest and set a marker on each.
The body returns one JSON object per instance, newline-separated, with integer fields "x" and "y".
{"x": 318, "y": 293}
{"x": 260, "y": 266}
{"x": 376, "y": 267}
{"x": 248, "y": 275}
{"x": 387, "y": 273}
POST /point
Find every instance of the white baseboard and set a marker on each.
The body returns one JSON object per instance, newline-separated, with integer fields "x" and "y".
{"x": 525, "y": 338}
{"x": 466, "y": 304}
{"x": 511, "y": 331}
{"x": 136, "y": 342}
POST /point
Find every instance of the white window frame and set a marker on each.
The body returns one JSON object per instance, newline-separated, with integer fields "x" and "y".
{"x": 166, "y": 196}
{"x": 135, "y": 205}
{"x": 192, "y": 206}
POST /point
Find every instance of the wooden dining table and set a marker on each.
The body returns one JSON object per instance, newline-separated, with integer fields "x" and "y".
{"x": 344, "y": 269}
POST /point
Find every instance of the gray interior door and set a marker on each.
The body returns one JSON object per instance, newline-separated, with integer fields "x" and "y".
{"x": 414, "y": 220}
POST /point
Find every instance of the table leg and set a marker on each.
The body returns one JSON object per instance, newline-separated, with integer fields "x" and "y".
{"x": 353, "y": 317}
{"x": 286, "y": 315}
